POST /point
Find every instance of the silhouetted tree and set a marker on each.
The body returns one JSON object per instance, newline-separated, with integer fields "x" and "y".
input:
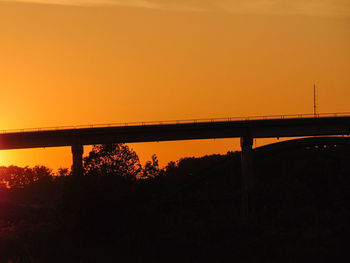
{"x": 40, "y": 172}
{"x": 18, "y": 177}
{"x": 113, "y": 160}
{"x": 151, "y": 168}
{"x": 4, "y": 175}
{"x": 63, "y": 172}
{"x": 171, "y": 166}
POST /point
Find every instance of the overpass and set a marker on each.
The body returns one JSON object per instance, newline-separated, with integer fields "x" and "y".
{"x": 309, "y": 142}
{"x": 246, "y": 128}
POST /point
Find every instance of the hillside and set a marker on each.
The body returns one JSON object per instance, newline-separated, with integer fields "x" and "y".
{"x": 191, "y": 212}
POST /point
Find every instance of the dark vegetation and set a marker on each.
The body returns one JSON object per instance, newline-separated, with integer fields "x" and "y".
{"x": 188, "y": 212}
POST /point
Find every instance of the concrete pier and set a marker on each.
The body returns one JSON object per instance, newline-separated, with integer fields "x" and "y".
{"x": 77, "y": 167}
{"x": 247, "y": 175}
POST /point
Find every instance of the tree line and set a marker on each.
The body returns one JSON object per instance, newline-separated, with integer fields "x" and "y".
{"x": 121, "y": 210}
{"x": 103, "y": 160}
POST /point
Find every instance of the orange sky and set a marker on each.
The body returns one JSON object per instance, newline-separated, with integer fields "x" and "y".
{"x": 67, "y": 62}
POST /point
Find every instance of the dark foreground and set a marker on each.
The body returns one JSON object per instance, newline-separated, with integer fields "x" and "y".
{"x": 192, "y": 213}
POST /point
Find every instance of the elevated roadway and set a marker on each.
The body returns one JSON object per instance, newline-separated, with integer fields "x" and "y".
{"x": 309, "y": 142}
{"x": 246, "y": 128}
{"x": 190, "y": 130}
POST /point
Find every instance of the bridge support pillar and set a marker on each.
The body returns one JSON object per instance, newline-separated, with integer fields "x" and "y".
{"x": 247, "y": 175}
{"x": 77, "y": 167}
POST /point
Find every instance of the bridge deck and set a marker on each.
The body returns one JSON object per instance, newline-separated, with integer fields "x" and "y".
{"x": 187, "y": 121}
{"x": 256, "y": 127}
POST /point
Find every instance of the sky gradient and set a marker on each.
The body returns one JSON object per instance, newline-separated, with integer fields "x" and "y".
{"x": 279, "y": 7}
{"x": 88, "y": 62}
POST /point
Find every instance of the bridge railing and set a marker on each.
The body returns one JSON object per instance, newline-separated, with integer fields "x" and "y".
{"x": 186, "y": 121}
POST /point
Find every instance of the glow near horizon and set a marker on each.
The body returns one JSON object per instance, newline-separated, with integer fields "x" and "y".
{"x": 193, "y": 53}
{"x": 279, "y": 7}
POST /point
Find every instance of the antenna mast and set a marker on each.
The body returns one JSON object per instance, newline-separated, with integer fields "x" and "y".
{"x": 315, "y": 104}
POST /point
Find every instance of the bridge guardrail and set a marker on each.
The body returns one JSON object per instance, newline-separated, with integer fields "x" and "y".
{"x": 187, "y": 121}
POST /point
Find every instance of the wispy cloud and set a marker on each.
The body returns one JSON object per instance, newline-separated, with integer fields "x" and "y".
{"x": 283, "y": 7}
{"x": 301, "y": 7}
{"x": 152, "y": 4}
{"x": 136, "y": 3}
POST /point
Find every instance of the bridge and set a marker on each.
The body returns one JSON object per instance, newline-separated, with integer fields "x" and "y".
{"x": 309, "y": 142}
{"x": 246, "y": 128}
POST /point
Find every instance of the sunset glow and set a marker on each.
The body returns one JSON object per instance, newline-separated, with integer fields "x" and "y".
{"x": 66, "y": 62}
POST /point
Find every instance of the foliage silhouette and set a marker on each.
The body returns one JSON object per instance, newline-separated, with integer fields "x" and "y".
{"x": 18, "y": 177}
{"x": 63, "y": 172}
{"x": 113, "y": 160}
{"x": 151, "y": 168}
